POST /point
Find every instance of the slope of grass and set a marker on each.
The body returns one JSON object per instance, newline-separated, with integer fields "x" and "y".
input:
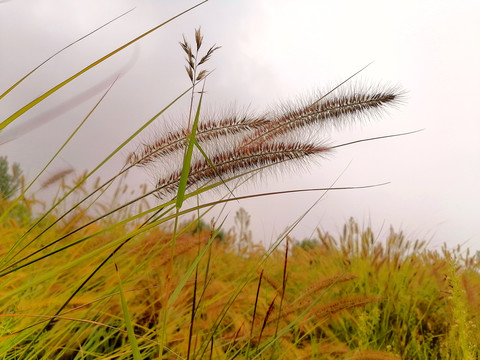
{"x": 349, "y": 298}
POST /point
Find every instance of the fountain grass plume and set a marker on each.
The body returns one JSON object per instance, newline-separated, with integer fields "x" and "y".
{"x": 239, "y": 161}
{"x": 345, "y": 105}
{"x": 246, "y": 142}
{"x": 208, "y": 130}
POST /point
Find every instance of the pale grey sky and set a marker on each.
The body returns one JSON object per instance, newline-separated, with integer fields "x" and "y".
{"x": 271, "y": 51}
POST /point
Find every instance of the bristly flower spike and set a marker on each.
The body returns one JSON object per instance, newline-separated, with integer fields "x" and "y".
{"x": 229, "y": 126}
{"x": 349, "y": 104}
{"x": 239, "y": 161}
{"x": 245, "y": 145}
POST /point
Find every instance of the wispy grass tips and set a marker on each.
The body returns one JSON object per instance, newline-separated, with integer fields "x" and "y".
{"x": 347, "y": 104}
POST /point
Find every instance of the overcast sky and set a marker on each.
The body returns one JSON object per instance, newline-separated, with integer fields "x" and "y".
{"x": 272, "y": 51}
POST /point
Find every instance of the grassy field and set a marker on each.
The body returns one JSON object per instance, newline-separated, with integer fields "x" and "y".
{"x": 210, "y": 295}
{"x": 143, "y": 276}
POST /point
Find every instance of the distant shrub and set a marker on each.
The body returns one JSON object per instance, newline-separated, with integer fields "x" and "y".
{"x": 308, "y": 244}
{"x": 9, "y": 182}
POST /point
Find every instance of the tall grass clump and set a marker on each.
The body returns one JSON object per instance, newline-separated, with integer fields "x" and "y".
{"x": 429, "y": 302}
{"x": 89, "y": 277}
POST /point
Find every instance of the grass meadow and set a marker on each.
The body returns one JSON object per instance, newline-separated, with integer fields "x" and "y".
{"x": 144, "y": 275}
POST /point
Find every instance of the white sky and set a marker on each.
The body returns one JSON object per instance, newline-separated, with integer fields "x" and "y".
{"x": 271, "y": 51}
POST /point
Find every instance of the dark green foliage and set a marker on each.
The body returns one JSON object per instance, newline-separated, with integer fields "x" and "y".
{"x": 9, "y": 182}
{"x": 308, "y": 244}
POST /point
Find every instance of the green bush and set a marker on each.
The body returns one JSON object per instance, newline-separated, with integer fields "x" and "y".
{"x": 9, "y": 182}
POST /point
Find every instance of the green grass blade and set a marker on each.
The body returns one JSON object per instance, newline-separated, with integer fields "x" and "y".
{"x": 187, "y": 159}
{"x": 128, "y": 323}
{"x": 42, "y": 97}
